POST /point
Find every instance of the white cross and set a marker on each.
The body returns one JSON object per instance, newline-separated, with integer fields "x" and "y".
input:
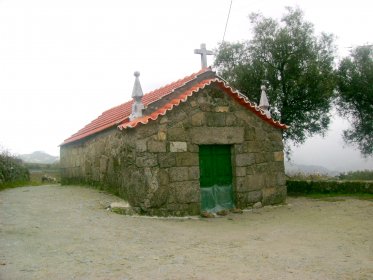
{"x": 204, "y": 53}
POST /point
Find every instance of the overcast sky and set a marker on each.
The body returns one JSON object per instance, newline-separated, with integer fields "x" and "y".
{"x": 62, "y": 63}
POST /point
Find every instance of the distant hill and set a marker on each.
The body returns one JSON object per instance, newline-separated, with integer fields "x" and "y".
{"x": 39, "y": 157}
{"x": 292, "y": 168}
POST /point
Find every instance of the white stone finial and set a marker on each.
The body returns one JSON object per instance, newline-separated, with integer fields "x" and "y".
{"x": 137, "y": 95}
{"x": 204, "y": 53}
{"x": 264, "y": 104}
{"x": 137, "y": 90}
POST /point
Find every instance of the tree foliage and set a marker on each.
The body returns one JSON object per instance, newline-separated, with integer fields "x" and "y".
{"x": 355, "y": 97}
{"x": 297, "y": 65}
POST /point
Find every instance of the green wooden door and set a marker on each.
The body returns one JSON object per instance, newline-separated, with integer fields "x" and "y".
{"x": 215, "y": 177}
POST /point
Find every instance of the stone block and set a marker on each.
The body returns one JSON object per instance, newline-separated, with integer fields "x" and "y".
{"x": 268, "y": 156}
{"x": 215, "y": 119}
{"x": 161, "y": 136}
{"x": 202, "y": 99}
{"x": 103, "y": 163}
{"x": 148, "y": 160}
{"x": 163, "y": 177}
{"x": 151, "y": 187}
{"x": 177, "y": 147}
{"x": 247, "y": 199}
{"x": 193, "y": 148}
{"x": 206, "y": 107}
{"x": 121, "y": 208}
{"x": 216, "y": 135}
{"x": 276, "y": 146}
{"x": 242, "y": 116}
{"x": 240, "y": 148}
{"x": 134, "y": 182}
{"x": 222, "y": 109}
{"x": 257, "y": 205}
{"x": 260, "y": 134}
{"x": 241, "y": 184}
{"x": 254, "y": 197}
{"x": 193, "y": 173}
{"x": 96, "y": 163}
{"x": 259, "y": 158}
{"x": 240, "y": 200}
{"x": 166, "y": 159}
{"x": 187, "y": 159}
{"x": 251, "y": 170}
{"x": 159, "y": 196}
{"x": 141, "y": 145}
{"x": 176, "y": 134}
{"x": 230, "y": 120}
{"x": 180, "y": 114}
{"x": 278, "y": 166}
{"x": 163, "y": 120}
{"x": 271, "y": 179}
{"x": 281, "y": 179}
{"x": 255, "y": 182}
{"x": 186, "y": 192}
{"x": 178, "y": 174}
{"x": 156, "y": 146}
{"x": 193, "y": 103}
{"x": 254, "y": 147}
{"x": 263, "y": 168}
{"x": 249, "y": 133}
{"x": 275, "y": 136}
{"x": 198, "y": 119}
{"x": 278, "y": 156}
{"x": 240, "y": 171}
{"x": 245, "y": 159}
{"x": 274, "y": 195}
{"x": 147, "y": 130}
{"x": 193, "y": 209}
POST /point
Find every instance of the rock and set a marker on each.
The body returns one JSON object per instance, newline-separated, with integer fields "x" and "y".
{"x": 236, "y": 210}
{"x": 257, "y": 205}
{"x": 207, "y": 215}
{"x": 223, "y": 212}
{"x": 121, "y": 208}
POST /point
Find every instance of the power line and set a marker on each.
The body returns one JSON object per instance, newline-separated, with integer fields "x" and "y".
{"x": 226, "y": 24}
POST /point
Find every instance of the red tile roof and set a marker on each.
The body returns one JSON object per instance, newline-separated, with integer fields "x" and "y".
{"x": 119, "y": 116}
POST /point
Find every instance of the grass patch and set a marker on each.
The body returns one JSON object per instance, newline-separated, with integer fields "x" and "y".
{"x": 18, "y": 184}
{"x": 35, "y": 180}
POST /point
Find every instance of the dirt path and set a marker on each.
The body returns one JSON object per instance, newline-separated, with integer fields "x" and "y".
{"x": 54, "y": 232}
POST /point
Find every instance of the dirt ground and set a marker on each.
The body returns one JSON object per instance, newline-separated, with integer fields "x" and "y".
{"x": 54, "y": 232}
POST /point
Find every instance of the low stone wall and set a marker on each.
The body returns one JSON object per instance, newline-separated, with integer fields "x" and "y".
{"x": 156, "y": 166}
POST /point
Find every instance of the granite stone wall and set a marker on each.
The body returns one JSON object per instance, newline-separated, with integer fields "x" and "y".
{"x": 156, "y": 166}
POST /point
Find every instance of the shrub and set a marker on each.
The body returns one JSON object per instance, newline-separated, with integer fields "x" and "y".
{"x": 12, "y": 169}
{"x": 341, "y": 187}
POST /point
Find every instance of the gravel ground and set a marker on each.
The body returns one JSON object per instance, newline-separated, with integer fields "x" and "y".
{"x": 54, "y": 232}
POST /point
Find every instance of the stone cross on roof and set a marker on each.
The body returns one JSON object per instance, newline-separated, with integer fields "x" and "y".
{"x": 204, "y": 53}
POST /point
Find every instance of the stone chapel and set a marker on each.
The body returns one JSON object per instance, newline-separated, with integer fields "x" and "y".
{"x": 193, "y": 145}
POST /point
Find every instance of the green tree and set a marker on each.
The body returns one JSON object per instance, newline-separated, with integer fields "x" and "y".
{"x": 297, "y": 65}
{"x": 355, "y": 97}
